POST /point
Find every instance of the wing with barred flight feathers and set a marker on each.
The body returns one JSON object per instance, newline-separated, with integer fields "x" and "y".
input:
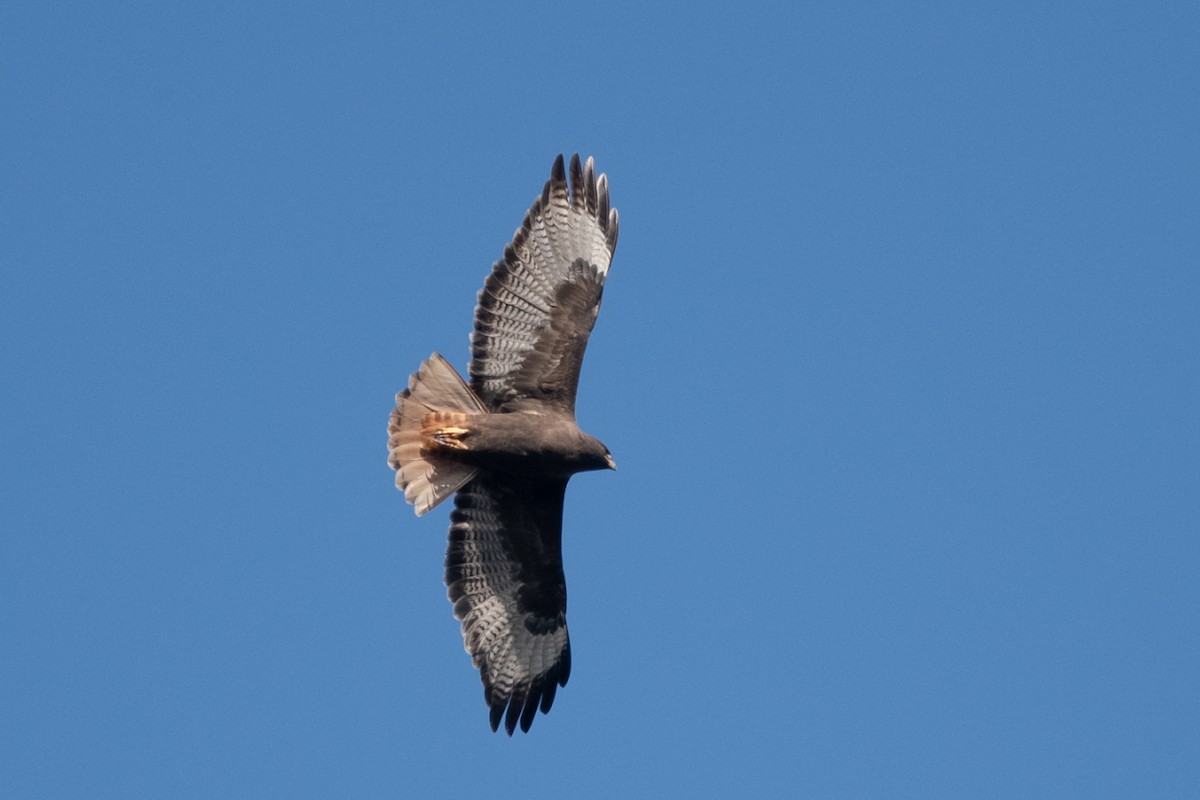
{"x": 504, "y": 575}
{"x": 537, "y": 308}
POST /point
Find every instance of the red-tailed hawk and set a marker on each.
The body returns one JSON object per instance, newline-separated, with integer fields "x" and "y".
{"x": 508, "y": 443}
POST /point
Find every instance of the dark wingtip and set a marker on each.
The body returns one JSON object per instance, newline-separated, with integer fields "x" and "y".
{"x": 577, "y": 181}
{"x": 514, "y": 714}
{"x": 528, "y": 712}
{"x": 602, "y": 202}
{"x": 519, "y": 708}
{"x": 548, "y": 693}
{"x": 589, "y": 185}
{"x": 557, "y": 185}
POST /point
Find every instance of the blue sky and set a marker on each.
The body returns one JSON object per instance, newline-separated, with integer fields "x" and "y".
{"x": 898, "y": 360}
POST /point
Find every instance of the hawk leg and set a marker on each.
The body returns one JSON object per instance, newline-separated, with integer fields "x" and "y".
{"x": 444, "y": 430}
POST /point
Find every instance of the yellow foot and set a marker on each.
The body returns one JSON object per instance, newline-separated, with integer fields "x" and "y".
{"x": 451, "y": 437}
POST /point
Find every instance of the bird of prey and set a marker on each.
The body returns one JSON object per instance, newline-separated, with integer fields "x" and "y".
{"x": 508, "y": 442}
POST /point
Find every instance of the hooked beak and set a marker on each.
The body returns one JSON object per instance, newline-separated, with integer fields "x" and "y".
{"x": 611, "y": 464}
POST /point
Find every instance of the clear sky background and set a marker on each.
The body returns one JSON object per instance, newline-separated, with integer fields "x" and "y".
{"x": 899, "y": 360}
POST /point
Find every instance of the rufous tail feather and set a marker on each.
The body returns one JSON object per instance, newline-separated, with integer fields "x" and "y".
{"x": 425, "y": 477}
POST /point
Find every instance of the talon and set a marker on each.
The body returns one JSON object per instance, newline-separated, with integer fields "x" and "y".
{"x": 451, "y": 437}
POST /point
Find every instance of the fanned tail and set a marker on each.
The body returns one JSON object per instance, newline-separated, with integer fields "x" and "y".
{"x": 425, "y": 477}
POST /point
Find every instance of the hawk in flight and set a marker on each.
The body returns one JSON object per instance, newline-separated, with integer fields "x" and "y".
{"x": 507, "y": 443}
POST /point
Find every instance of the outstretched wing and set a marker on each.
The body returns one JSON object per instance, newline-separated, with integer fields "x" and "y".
{"x": 504, "y": 575}
{"x": 537, "y": 308}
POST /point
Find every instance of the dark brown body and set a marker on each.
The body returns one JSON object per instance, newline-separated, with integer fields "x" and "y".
{"x": 550, "y": 445}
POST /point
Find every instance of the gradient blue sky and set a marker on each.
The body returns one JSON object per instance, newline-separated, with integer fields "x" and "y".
{"x": 899, "y": 358}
